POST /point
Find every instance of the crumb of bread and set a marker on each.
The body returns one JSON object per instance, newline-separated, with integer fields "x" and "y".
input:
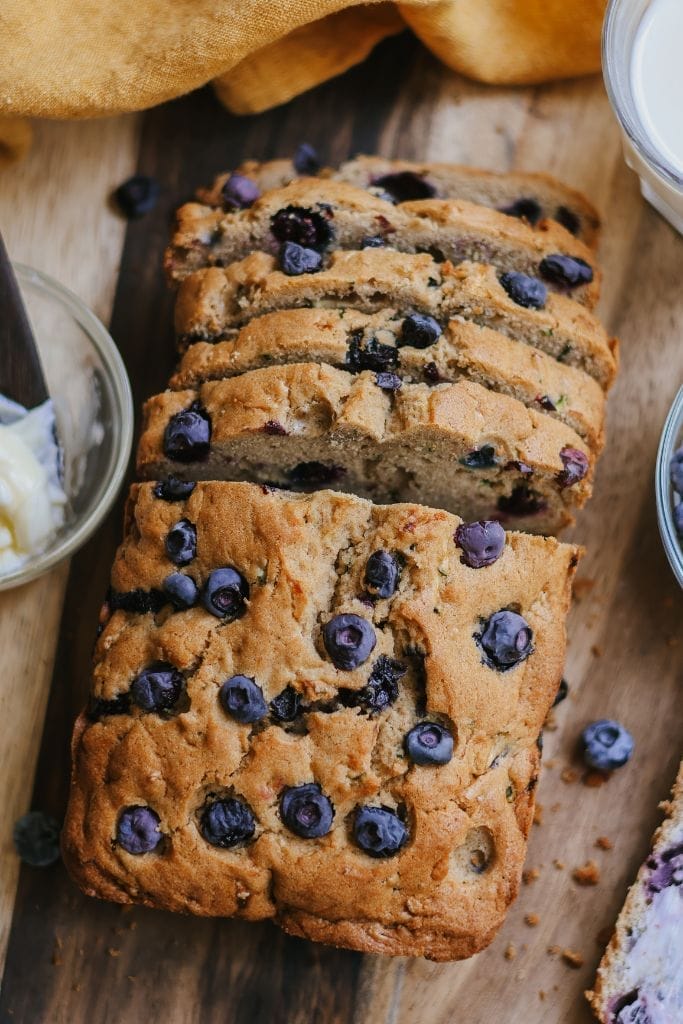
{"x": 510, "y": 951}
{"x": 559, "y": 864}
{"x": 569, "y": 775}
{"x": 532, "y": 920}
{"x": 550, "y": 723}
{"x": 541, "y": 995}
{"x": 588, "y": 874}
{"x": 596, "y": 651}
{"x": 538, "y": 814}
{"x": 555, "y": 807}
{"x": 572, "y": 958}
{"x": 603, "y": 843}
{"x": 595, "y": 779}
{"x": 530, "y": 875}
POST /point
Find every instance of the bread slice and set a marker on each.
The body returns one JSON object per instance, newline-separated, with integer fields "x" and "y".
{"x": 349, "y": 339}
{"x": 536, "y": 196}
{"x": 326, "y": 215}
{"x": 640, "y": 977}
{"x": 443, "y": 886}
{"x": 212, "y": 302}
{"x": 456, "y": 446}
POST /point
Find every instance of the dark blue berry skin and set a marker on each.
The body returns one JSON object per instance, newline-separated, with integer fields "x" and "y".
{"x": 480, "y": 458}
{"x": 606, "y": 745}
{"x": 181, "y": 542}
{"x": 575, "y": 464}
{"x": 157, "y": 687}
{"x": 227, "y": 823}
{"x": 306, "y": 811}
{"x": 678, "y": 518}
{"x": 378, "y": 831}
{"x": 370, "y": 354}
{"x": 562, "y": 691}
{"x": 181, "y": 590}
{"x": 242, "y": 698}
{"x": 238, "y": 192}
{"x": 419, "y": 331}
{"x": 137, "y": 196}
{"x": 429, "y": 744}
{"x": 137, "y": 830}
{"x": 676, "y": 470}
{"x": 349, "y": 640}
{"x": 388, "y": 381}
{"x": 666, "y": 869}
{"x": 173, "y": 489}
{"x": 296, "y": 260}
{"x": 187, "y": 437}
{"x": 36, "y": 839}
{"x": 382, "y": 573}
{"x": 373, "y": 242}
{"x": 506, "y": 640}
{"x": 381, "y": 689}
{"x": 285, "y": 707}
{"x": 482, "y": 542}
{"x": 308, "y": 228}
{"x": 524, "y": 290}
{"x": 404, "y": 186}
{"x": 527, "y": 208}
{"x": 306, "y": 160}
{"x": 225, "y": 594}
{"x": 568, "y": 271}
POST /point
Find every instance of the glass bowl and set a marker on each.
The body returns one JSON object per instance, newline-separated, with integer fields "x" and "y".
{"x": 93, "y": 404}
{"x": 667, "y": 498}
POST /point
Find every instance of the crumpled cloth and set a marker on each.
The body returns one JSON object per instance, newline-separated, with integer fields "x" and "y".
{"x": 88, "y": 58}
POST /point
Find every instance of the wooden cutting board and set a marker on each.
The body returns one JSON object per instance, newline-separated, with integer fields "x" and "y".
{"x": 71, "y": 959}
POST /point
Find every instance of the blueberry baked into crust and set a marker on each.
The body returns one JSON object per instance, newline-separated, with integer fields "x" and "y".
{"x": 355, "y": 692}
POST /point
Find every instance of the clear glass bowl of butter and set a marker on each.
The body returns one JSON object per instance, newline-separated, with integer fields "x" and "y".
{"x": 93, "y": 410}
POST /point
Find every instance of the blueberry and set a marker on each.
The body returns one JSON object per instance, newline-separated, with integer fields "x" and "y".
{"x": 36, "y": 839}
{"x": 676, "y": 470}
{"x": 629, "y": 1010}
{"x": 239, "y": 192}
{"x": 373, "y": 242}
{"x": 182, "y": 590}
{"x": 606, "y": 745}
{"x": 568, "y": 219}
{"x": 349, "y": 640}
{"x": 305, "y": 227}
{"x": 562, "y": 691}
{"x": 137, "y": 829}
{"x": 369, "y": 354}
{"x": 98, "y": 708}
{"x": 575, "y": 467}
{"x": 482, "y": 542}
{"x": 381, "y": 689}
{"x": 173, "y": 489}
{"x": 527, "y": 208}
{"x": 569, "y": 271}
{"x": 187, "y": 436}
{"x": 419, "y": 331}
{"x": 382, "y": 573}
{"x": 522, "y": 501}
{"x": 379, "y": 831}
{"x": 242, "y": 698}
{"x": 429, "y": 744}
{"x": 403, "y": 186}
{"x": 227, "y": 822}
{"x": 506, "y": 639}
{"x": 666, "y": 869}
{"x": 431, "y": 373}
{"x": 524, "y": 290}
{"x": 274, "y": 428}
{"x": 678, "y": 518}
{"x": 296, "y": 260}
{"x": 314, "y": 474}
{"x": 480, "y": 458}
{"x": 285, "y": 707}
{"x": 157, "y": 687}
{"x": 137, "y": 196}
{"x": 225, "y": 594}
{"x": 306, "y": 811}
{"x": 388, "y": 381}
{"x": 546, "y": 403}
{"x": 181, "y": 542}
{"x": 306, "y": 160}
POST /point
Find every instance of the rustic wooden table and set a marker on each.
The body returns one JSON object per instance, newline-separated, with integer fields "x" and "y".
{"x": 70, "y": 959}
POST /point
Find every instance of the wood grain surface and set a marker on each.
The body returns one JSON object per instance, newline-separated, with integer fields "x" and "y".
{"x": 75, "y": 960}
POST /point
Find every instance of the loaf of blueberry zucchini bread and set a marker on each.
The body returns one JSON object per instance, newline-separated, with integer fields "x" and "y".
{"x": 290, "y": 691}
{"x": 305, "y": 425}
{"x": 534, "y": 197}
{"x": 640, "y": 977}
{"x": 307, "y": 219}
{"x": 211, "y": 303}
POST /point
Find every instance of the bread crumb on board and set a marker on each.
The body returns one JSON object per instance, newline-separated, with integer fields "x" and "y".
{"x": 532, "y": 920}
{"x": 510, "y": 951}
{"x": 530, "y": 875}
{"x": 538, "y": 814}
{"x": 569, "y": 775}
{"x": 603, "y": 843}
{"x": 570, "y": 956}
{"x": 559, "y": 864}
{"x": 587, "y": 874}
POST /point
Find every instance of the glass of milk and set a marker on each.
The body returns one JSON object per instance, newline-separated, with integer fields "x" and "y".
{"x": 643, "y": 68}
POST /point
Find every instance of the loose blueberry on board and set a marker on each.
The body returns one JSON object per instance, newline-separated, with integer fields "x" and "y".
{"x": 506, "y": 640}
{"x": 172, "y": 489}
{"x": 482, "y": 542}
{"x": 568, "y": 271}
{"x": 187, "y": 437}
{"x": 480, "y": 458}
{"x": 575, "y": 464}
{"x": 349, "y": 640}
{"x": 181, "y": 590}
{"x": 227, "y": 822}
{"x": 524, "y": 290}
{"x": 306, "y": 160}
{"x": 239, "y": 192}
{"x": 381, "y": 689}
{"x": 137, "y": 830}
{"x": 429, "y": 743}
{"x": 419, "y": 331}
{"x": 285, "y": 706}
{"x": 373, "y": 242}
{"x": 369, "y": 354}
{"x": 305, "y": 227}
{"x": 382, "y": 573}
{"x": 36, "y": 839}
{"x": 568, "y": 219}
{"x": 562, "y": 691}
{"x": 296, "y": 259}
{"x": 388, "y": 381}
{"x": 606, "y": 745}
{"x": 403, "y": 186}
{"x": 181, "y": 542}
{"x": 521, "y": 502}
{"x": 137, "y": 196}
{"x": 378, "y": 831}
{"x": 526, "y": 208}
{"x": 225, "y": 594}
{"x": 676, "y": 470}
{"x": 242, "y": 698}
{"x": 157, "y": 687}
{"x": 306, "y": 811}
{"x": 314, "y": 474}
{"x": 666, "y": 869}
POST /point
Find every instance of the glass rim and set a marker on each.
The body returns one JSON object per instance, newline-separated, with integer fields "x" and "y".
{"x": 664, "y": 489}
